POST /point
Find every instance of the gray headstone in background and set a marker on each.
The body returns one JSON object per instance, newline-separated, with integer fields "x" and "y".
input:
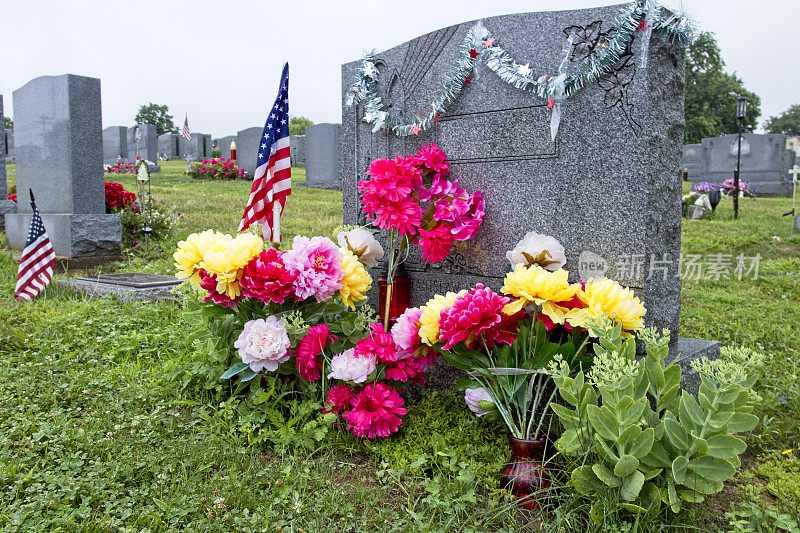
{"x": 196, "y": 146}
{"x": 224, "y": 144}
{"x": 115, "y": 144}
{"x": 207, "y": 145}
{"x": 9, "y": 144}
{"x": 59, "y": 151}
{"x": 168, "y": 146}
{"x": 147, "y": 146}
{"x": 765, "y": 162}
{"x": 6, "y": 206}
{"x": 692, "y": 156}
{"x": 247, "y": 148}
{"x": 297, "y": 149}
{"x": 322, "y": 156}
{"x": 609, "y": 185}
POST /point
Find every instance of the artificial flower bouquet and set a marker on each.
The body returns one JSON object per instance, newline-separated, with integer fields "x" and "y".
{"x": 293, "y": 314}
{"x": 506, "y": 342}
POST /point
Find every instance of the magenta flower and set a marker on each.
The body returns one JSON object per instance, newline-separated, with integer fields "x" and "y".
{"x": 316, "y": 265}
{"x": 442, "y": 187}
{"x": 431, "y": 157}
{"x": 208, "y": 282}
{"x": 467, "y": 225}
{"x": 379, "y": 344}
{"x": 436, "y": 243}
{"x": 449, "y": 211}
{"x": 477, "y": 317}
{"x": 340, "y": 398}
{"x": 376, "y": 412}
{"x": 266, "y": 278}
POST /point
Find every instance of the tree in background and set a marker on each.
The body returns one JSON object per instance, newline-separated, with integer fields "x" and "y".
{"x": 298, "y": 125}
{"x": 787, "y": 122}
{"x": 711, "y": 93}
{"x": 158, "y": 116}
{"x": 8, "y": 123}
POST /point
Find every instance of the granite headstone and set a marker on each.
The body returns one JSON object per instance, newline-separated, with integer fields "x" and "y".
{"x": 297, "y": 147}
{"x": 322, "y": 156}
{"x": 6, "y": 206}
{"x": 147, "y": 146}
{"x": 168, "y": 146}
{"x": 608, "y": 188}
{"x": 765, "y": 162}
{"x": 247, "y": 148}
{"x": 692, "y": 157}
{"x": 9, "y": 144}
{"x": 125, "y": 286}
{"x": 115, "y": 144}
{"x": 224, "y": 145}
{"x": 59, "y": 151}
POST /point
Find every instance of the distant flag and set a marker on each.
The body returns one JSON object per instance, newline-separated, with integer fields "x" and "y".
{"x": 38, "y": 257}
{"x": 185, "y": 133}
{"x": 272, "y": 180}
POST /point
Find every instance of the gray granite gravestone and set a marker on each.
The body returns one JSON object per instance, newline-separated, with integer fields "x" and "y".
{"x": 765, "y": 161}
{"x": 188, "y": 148}
{"x": 115, "y": 144}
{"x": 297, "y": 149}
{"x": 6, "y": 206}
{"x": 125, "y": 287}
{"x": 692, "y": 156}
{"x": 199, "y": 147}
{"x": 59, "y": 152}
{"x": 148, "y": 144}
{"x": 168, "y": 146}
{"x": 609, "y": 187}
{"x": 247, "y": 148}
{"x": 9, "y": 144}
{"x": 224, "y": 145}
{"x": 321, "y": 148}
{"x": 207, "y": 145}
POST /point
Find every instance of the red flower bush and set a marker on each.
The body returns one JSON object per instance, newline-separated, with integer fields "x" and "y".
{"x": 218, "y": 168}
{"x": 117, "y": 197}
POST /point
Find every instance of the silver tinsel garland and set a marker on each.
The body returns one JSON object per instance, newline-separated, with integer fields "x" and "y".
{"x": 675, "y": 27}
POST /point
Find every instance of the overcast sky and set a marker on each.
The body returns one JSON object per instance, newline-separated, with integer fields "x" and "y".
{"x": 220, "y": 61}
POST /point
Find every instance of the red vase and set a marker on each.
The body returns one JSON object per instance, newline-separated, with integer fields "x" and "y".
{"x": 525, "y": 474}
{"x": 401, "y": 296}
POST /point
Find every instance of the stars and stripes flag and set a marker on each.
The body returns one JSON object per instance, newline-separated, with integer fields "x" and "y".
{"x": 272, "y": 180}
{"x": 185, "y": 133}
{"x": 36, "y": 262}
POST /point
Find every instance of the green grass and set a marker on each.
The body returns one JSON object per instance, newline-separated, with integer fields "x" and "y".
{"x": 94, "y": 436}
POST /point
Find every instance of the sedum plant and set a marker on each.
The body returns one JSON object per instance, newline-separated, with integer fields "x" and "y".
{"x": 642, "y": 436}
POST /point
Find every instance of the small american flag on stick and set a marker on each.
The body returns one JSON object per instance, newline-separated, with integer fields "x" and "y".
{"x": 272, "y": 180}
{"x": 185, "y": 133}
{"x": 36, "y": 262}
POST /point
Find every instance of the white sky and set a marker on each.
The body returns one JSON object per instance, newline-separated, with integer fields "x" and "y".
{"x": 220, "y": 61}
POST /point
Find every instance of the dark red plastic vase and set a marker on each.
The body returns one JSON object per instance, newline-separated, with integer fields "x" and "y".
{"x": 525, "y": 475}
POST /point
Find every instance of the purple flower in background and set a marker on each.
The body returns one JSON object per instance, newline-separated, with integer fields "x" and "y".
{"x": 703, "y": 187}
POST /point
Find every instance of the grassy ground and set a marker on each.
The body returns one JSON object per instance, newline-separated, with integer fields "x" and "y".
{"x": 94, "y": 436}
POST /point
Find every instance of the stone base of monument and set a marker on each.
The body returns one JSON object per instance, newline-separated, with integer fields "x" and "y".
{"x": 153, "y": 168}
{"x": 6, "y": 207}
{"x": 332, "y": 186}
{"x": 125, "y": 287}
{"x": 74, "y": 236}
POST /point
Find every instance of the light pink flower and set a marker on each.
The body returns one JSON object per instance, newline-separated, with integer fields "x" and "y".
{"x": 347, "y": 366}
{"x": 316, "y": 264}
{"x": 263, "y": 344}
{"x": 473, "y": 397}
{"x": 406, "y": 333}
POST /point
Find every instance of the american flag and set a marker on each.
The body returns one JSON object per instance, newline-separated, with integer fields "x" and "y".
{"x": 36, "y": 263}
{"x": 185, "y": 133}
{"x": 272, "y": 180}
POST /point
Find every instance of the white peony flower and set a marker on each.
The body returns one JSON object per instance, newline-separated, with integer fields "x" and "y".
{"x": 533, "y": 245}
{"x": 476, "y": 397}
{"x": 347, "y": 366}
{"x": 362, "y": 243}
{"x": 263, "y": 344}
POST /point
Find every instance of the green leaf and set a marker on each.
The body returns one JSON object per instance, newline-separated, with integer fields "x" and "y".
{"x": 565, "y": 414}
{"x": 235, "y": 369}
{"x": 676, "y": 434}
{"x": 679, "y": 468}
{"x": 658, "y": 457}
{"x": 630, "y": 433}
{"x": 700, "y": 484}
{"x": 712, "y": 468}
{"x": 655, "y": 372}
{"x": 606, "y": 476}
{"x": 585, "y": 481}
{"x": 672, "y": 497}
{"x": 626, "y": 465}
{"x": 467, "y": 382}
{"x": 725, "y": 446}
{"x": 604, "y": 425}
{"x": 690, "y": 410}
{"x": 691, "y": 496}
{"x": 741, "y": 422}
{"x": 632, "y": 486}
{"x": 642, "y": 444}
{"x": 720, "y": 419}
{"x": 568, "y": 442}
{"x": 247, "y": 375}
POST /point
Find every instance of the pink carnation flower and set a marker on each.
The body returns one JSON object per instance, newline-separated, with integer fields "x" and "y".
{"x": 392, "y": 180}
{"x": 405, "y": 370}
{"x": 403, "y": 215}
{"x": 307, "y": 360}
{"x": 376, "y": 412}
{"x": 378, "y": 344}
{"x": 266, "y": 278}
{"x": 477, "y": 316}
{"x": 208, "y": 282}
{"x": 467, "y": 225}
{"x": 340, "y": 398}
{"x": 436, "y": 243}
{"x": 431, "y": 157}
{"x": 316, "y": 265}
{"x": 263, "y": 344}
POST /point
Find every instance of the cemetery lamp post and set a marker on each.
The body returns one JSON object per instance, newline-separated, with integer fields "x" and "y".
{"x": 741, "y": 112}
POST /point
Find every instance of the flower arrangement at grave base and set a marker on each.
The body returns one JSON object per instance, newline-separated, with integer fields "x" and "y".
{"x": 121, "y": 166}
{"x": 728, "y": 188}
{"x": 414, "y": 201}
{"x": 11, "y": 196}
{"x": 218, "y": 168}
{"x": 118, "y": 198}
{"x": 507, "y": 341}
{"x": 298, "y": 314}
{"x": 161, "y": 219}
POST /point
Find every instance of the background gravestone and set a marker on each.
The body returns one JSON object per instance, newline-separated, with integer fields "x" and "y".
{"x": 9, "y": 144}
{"x": 765, "y": 161}
{"x": 692, "y": 161}
{"x": 609, "y": 185}
{"x": 148, "y": 145}
{"x": 224, "y": 144}
{"x": 297, "y": 144}
{"x": 115, "y": 144}
{"x": 188, "y": 148}
{"x": 322, "y": 154}
{"x": 168, "y": 146}
{"x": 59, "y": 152}
{"x": 6, "y": 206}
{"x": 247, "y": 148}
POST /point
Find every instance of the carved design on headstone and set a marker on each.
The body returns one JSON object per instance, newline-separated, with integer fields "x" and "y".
{"x": 745, "y": 147}
{"x": 615, "y": 85}
{"x": 420, "y": 55}
{"x": 585, "y": 40}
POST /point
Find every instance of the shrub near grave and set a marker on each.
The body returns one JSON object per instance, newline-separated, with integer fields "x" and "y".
{"x": 218, "y": 168}
{"x": 160, "y": 218}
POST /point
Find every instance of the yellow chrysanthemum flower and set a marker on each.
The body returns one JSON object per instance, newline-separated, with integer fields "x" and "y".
{"x": 604, "y": 296}
{"x": 429, "y": 320}
{"x": 533, "y": 284}
{"x": 226, "y": 259}
{"x": 356, "y": 281}
{"x": 190, "y": 254}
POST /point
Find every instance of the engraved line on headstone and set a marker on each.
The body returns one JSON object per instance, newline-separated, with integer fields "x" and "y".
{"x": 416, "y": 65}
